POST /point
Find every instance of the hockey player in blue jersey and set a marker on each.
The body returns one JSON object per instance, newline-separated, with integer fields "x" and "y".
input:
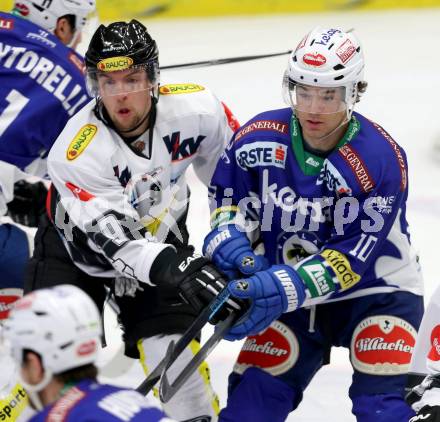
{"x": 321, "y": 191}
{"x": 54, "y": 335}
{"x": 42, "y": 87}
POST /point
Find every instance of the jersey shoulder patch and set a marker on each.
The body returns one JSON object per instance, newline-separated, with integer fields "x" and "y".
{"x": 81, "y": 140}
{"x": 186, "y": 88}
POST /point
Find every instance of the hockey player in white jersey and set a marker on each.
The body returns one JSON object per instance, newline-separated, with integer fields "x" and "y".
{"x": 119, "y": 202}
{"x": 425, "y": 397}
{"x": 54, "y": 335}
{"x": 14, "y": 403}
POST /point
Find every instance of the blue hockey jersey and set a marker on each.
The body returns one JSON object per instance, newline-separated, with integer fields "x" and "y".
{"x": 42, "y": 87}
{"x": 340, "y": 221}
{"x": 92, "y": 402}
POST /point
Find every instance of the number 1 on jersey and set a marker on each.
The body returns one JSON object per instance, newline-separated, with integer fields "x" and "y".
{"x": 17, "y": 102}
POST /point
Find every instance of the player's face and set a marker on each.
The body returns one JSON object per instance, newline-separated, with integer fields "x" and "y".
{"x": 322, "y": 115}
{"x": 126, "y": 96}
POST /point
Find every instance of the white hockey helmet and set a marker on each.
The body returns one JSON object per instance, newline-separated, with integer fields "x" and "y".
{"x": 325, "y": 58}
{"x": 62, "y": 324}
{"x": 46, "y": 13}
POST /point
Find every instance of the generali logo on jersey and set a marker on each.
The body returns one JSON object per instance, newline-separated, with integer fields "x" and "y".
{"x": 7, "y": 24}
{"x": 81, "y": 140}
{"x": 383, "y": 345}
{"x": 275, "y": 350}
{"x": 314, "y": 60}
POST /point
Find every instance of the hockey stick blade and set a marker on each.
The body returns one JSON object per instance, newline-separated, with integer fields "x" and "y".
{"x": 167, "y": 390}
{"x": 146, "y": 386}
{"x": 227, "y": 60}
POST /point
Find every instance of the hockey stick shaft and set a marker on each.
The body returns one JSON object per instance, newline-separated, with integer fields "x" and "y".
{"x": 167, "y": 390}
{"x": 227, "y": 60}
{"x": 191, "y": 333}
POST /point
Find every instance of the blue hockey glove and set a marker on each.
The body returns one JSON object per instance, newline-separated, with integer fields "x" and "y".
{"x": 230, "y": 251}
{"x": 272, "y": 292}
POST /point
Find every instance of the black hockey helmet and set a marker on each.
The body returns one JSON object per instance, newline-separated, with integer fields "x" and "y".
{"x": 119, "y": 46}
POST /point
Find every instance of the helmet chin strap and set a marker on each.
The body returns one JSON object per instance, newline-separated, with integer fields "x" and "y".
{"x": 33, "y": 390}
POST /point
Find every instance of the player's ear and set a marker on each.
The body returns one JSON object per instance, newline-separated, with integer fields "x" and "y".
{"x": 64, "y": 30}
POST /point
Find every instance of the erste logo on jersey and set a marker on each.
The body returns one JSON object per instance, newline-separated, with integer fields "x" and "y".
{"x": 6, "y": 24}
{"x": 180, "y": 89}
{"x": 113, "y": 64}
{"x": 182, "y": 149}
{"x": 275, "y": 350}
{"x": 261, "y": 154}
{"x": 383, "y": 345}
{"x": 81, "y": 140}
{"x": 334, "y": 181}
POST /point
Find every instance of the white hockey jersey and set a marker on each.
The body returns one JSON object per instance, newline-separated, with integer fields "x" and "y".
{"x": 122, "y": 202}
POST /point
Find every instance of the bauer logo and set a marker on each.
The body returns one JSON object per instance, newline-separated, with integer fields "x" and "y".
{"x": 383, "y": 345}
{"x": 81, "y": 140}
{"x": 180, "y": 89}
{"x": 434, "y": 353}
{"x": 275, "y": 350}
{"x": 261, "y": 154}
{"x": 314, "y": 60}
{"x": 113, "y": 64}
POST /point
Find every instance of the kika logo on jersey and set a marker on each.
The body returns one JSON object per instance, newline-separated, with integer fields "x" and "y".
{"x": 182, "y": 149}
{"x": 434, "y": 353}
{"x": 21, "y": 9}
{"x": 7, "y": 24}
{"x": 113, "y": 64}
{"x": 314, "y": 60}
{"x": 345, "y": 51}
{"x": 341, "y": 267}
{"x": 383, "y": 345}
{"x": 261, "y": 154}
{"x": 275, "y": 350}
{"x": 7, "y": 301}
{"x": 180, "y": 89}
{"x": 81, "y": 140}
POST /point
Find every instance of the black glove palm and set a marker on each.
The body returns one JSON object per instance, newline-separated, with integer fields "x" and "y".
{"x": 28, "y": 205}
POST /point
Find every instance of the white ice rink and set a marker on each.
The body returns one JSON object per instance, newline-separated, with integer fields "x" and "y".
{"x": 402, "y": 50}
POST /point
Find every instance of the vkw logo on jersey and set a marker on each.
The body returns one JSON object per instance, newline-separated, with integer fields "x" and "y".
{"x": 81, "y": 140}
{"x": 182, "y": 149}
{"x": 275, "y": 350}
{"x": 261, "y": 154}
{"x": 333, "y": 180}
{"x": 383, "y": 345}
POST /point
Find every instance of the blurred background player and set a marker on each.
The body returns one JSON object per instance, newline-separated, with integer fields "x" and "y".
{"x": 119, "y": 202}
{"x": 14, "y": 403}
{"x": 54, "y": 335}
{"x": 324, "y": 190}
{"x": 42, "y": 87}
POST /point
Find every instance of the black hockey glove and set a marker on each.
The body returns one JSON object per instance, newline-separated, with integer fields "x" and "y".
{"x": 29, "y": 203}
{"x": 194, "y": 277}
